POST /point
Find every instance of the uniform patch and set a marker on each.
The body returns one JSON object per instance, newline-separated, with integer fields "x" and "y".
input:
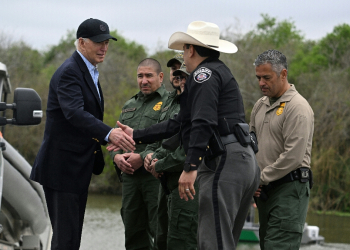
{"x": 128, "y": 110}
{"x": 280, "y": 108}
{"x": 157, "y": 106}
{"x": 165, "y": 109}
{"x": 202, "y": 74}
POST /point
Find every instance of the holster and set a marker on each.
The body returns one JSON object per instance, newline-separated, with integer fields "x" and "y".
{"x": 215, "y": 147}
{"x": 241, "y": 131}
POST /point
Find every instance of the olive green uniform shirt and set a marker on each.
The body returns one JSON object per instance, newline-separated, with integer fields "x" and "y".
{"x": 168, "y": 161}
{"x": 142, "y": 111}
{"x": 284, "y": 131}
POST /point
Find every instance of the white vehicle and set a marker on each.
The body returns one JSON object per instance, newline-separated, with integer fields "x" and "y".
{"x": 24, "y": 220}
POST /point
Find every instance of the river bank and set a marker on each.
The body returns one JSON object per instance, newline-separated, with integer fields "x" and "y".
{"x": 103, "y": 227}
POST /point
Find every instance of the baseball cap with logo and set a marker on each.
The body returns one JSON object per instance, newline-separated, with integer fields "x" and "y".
{"x": 179, "y": 57}
{"x": 94, "y": 29}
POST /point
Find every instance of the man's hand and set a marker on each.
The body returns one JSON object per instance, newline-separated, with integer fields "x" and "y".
{"x": 122, "y": 164}
{"x": 127, "y": 130}
{"x": 134, "y": 160}
{"x": 121, "y": 140}
{"x": 147, "y": 161}
{"x": 153, "y": 169}
{"x": 186, "y": 185}
{"x": 258, "y": 192}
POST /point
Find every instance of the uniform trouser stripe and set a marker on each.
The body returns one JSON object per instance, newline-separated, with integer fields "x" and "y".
{"x": 216, "y": 201}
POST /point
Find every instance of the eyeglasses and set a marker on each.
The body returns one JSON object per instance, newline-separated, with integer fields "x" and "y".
{"x": 179, "y": 78}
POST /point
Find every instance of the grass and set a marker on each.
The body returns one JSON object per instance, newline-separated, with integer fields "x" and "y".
{"x": 337, "y": 213}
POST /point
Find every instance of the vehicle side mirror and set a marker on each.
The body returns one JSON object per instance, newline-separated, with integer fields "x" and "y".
{"x": 26, "y": 108}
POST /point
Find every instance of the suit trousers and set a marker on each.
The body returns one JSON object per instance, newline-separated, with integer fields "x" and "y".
{"x": 66, "y": 212}
{"x": 226, "y": 188}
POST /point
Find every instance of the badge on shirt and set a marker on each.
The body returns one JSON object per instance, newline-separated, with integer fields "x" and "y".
{"x": 202, "y": 74}
{"x": 280, "y": 108}
{"x": 157, "y": 106}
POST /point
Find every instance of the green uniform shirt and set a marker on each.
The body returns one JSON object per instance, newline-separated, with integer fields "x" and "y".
{"x": 168, "y": 161}
{"x": 142, "y": 111}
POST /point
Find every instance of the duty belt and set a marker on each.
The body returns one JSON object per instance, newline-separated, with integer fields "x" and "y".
{"x": 228, "y": 139}
{"x": 302, "y": 174}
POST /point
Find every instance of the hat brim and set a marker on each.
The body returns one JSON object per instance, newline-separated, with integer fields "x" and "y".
{"x": 178, "y": 39}
{"x": 172, "y": 61}
{"x": 179, "y": 71}
{"x": 102, "y": 37}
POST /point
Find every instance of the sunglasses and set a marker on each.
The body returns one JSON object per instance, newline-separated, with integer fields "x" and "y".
{"x": 179, "y": 78}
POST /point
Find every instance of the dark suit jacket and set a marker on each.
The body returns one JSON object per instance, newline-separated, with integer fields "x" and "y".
{"x": 74, "y": 130}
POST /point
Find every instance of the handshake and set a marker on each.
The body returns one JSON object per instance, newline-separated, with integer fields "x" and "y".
{"x": 121, "y": 138}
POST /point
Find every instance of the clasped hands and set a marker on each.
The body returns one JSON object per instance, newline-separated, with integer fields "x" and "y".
{"x": 150, "y": 165}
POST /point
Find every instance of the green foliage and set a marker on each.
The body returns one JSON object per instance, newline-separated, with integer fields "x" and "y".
{"x": 277, "y": 33}
{"x": 337, "y": 213}
{"x": 319, "y": 69}
{"x": 335, "y": 47}
{"x": 58, "y": 53}
{"x": 163, "y": 57}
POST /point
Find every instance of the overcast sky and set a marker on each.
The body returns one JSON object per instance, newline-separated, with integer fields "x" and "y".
{"x": 41, "y": 23}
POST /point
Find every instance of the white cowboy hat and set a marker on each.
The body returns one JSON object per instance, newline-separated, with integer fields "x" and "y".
{"x": 202, "y": 34}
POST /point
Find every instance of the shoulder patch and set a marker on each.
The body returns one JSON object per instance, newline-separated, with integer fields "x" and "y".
{"x": 202, "y": 74}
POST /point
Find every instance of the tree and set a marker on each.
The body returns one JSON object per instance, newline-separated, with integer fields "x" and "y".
{"x": 268, "y": 34}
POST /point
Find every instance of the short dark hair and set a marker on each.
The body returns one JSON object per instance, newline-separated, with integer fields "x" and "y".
{"x": 204, "y": 52}
{"x": 150, "y": 62}
{"x": 277, "y": 60}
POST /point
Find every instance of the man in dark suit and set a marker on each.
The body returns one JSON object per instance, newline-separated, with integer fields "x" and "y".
{"x": 74, "y": 132}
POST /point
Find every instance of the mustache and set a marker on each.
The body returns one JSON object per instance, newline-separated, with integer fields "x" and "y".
{"x": 146, "y": 85}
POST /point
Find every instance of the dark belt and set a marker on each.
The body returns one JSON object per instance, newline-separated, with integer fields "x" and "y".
{"x": 302, "y": 174}
{"x": 228, "y": 139}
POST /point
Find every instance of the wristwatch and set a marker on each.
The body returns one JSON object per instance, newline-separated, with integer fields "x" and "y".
{"x": 188, "y": 167}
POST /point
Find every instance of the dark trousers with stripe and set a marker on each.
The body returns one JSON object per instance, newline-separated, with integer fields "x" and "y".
{"x": 226, "y": 187}
{"x": 66, "y": 211}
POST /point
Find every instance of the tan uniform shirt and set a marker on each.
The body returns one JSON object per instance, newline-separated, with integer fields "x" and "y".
{"x": 284, "y": 131}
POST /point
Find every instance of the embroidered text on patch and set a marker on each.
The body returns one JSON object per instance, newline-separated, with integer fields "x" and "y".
{"x": 157, "y": 106}
{"x": 202, "y": 74}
